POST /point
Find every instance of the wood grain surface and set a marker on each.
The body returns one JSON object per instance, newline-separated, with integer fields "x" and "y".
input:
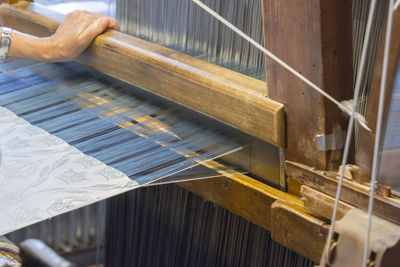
{"x": 280, "y": 213}
{"x": 352, "y": 193}
{"x": 315, "y": 38}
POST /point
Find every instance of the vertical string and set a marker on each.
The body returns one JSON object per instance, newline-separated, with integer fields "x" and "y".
{"x": 379, "y": 122}
{"x": 351, "y": 124}
{"x": 100, "y": 229}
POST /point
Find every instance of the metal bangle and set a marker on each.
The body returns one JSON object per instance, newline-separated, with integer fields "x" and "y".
{"x": 5, "y": 42}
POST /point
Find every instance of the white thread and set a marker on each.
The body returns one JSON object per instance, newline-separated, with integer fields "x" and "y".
{"x": 351, "y": 125}
{"x": 396, "y": 5}
{"x": 360, "y": 118}
{"x": 379, "y": 122}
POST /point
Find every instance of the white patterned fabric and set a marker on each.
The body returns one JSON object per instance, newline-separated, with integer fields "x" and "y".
{"x": 42, "y": 176}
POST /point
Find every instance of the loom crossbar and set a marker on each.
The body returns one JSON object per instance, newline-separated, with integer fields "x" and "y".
{"x": 224, "y": 95}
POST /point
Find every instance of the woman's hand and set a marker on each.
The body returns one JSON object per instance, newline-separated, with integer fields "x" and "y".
{"x": 72, "y": 37}
{"x": 76, "y": 33}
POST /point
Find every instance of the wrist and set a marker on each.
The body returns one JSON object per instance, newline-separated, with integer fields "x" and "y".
{"x": 48, "y": 49}
{"x": 27, "y": 46}
{"x": 56, "y": 50}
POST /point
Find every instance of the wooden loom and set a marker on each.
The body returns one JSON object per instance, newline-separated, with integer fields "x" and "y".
{"x": 279, "y": 115}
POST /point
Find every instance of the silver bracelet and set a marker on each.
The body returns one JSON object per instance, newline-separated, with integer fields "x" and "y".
{"x": 5, "y": 42}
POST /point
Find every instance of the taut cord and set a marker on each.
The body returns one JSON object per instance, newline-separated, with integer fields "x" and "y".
{"x": 360, "y": 118}
{"x": 379, "y": 122}
{"x": 357, "y": 89}
{"x": 351, "y": 111}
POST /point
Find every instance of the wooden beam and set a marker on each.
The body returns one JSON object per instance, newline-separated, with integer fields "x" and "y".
{"x": 276, "y": 211}
{"x": 224, "y": 95}
{"x": 315, "y": 38}
{"x": 321, "y": 205}
{"x": 352, "y": 193}
{"x": 293, "y": 227}
{"x": 242, "y": 195}
{"x": 280, "y": 213}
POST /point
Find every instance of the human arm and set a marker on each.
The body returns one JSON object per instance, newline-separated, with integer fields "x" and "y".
{"x": 72, "y": 37}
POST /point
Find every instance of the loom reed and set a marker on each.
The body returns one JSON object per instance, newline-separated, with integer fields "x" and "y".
{"x": 146, "y": 140}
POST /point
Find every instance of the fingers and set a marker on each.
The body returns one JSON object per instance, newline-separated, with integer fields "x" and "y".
{"x": 77, "y": 31}
{"x": 98, "y": 26}
{"x": 95, "y": 28}
{"x": 113, "y": 24}
{"x": 90, "y": 17}
{"x": 84, "y": 20}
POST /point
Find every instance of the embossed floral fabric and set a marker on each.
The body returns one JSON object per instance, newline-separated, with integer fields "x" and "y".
{"x": 42, "y": 176}
{"x": 97, "y": 137}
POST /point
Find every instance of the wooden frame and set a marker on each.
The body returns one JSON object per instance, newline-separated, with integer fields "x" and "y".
{"x": 353, "y": 193}
{"x": 233, "y": 98}
{"x": 245, "y": 196}
{"x": 280, "y": 213}
{"x": 241, "y": 102}
{"x": 227, "y": 96}
{"x": 314, "y": 37}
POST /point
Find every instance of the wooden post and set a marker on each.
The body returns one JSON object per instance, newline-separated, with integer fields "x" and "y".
{"x": 315, "y": 38}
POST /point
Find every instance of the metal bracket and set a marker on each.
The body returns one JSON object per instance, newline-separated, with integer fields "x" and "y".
{"x": 330, "y": 142}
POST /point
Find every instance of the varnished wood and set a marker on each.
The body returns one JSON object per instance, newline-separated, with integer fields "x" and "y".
{"x": 314, "y": 37}
{"x": 270, "y": 208}
{"x": 321, "y": 205}
{"x": 367, "y": 139}
{"x": 242, "y": 195}
{"x": 222, "y": 94}
{"x": 292, "y": 228}
{"x": 278, "y": 212}
{"x": 180, "y": 78}
{"x": 352, "y": 193}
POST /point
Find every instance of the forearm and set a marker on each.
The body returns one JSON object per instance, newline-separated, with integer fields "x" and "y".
{"x": 30, "y": 47}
